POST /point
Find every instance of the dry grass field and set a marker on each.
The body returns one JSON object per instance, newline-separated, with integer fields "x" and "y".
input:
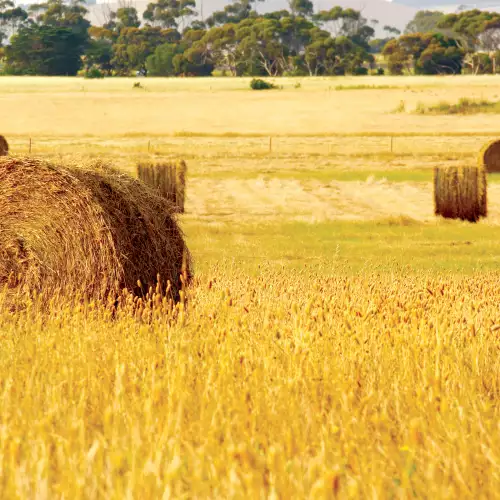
{"x": 338, "y": 340}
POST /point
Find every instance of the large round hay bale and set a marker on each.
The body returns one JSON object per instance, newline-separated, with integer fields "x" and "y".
{"x": 460, "y": 193}
{"x": 489, "y": 158}
{"x": 84, "y": 231}
{"x": 4, "y": 146}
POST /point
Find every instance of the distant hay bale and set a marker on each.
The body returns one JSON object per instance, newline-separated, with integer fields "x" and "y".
{"x": 85, "y": 230}
{"x": 460, "y": 193}
{"x": 168, "y": 178}
{"x": 489, "y": 158}
{"x": 4, "y": 146}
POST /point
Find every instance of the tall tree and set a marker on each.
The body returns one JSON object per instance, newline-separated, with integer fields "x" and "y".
{"x": 261, "y": 47}
{"x": 54, "y": 43}
{"x": 221, "y": 46}
{"x": 391, "y": 30}
{"x": 181, "y": 58}
{"x": 170, "y": 13}
{"x": 196, "y": 58}
{"x": 339, "y": 21}
{"x": 127, "y": 17}
{"x": 70, "y": 15}
{"x": 425, "y": 54}
{"x": 44, "y": 50}
{"x": 11, "y": 19}
{"x": 162, "y": 61}
{"x": 58, "y": 13}
{"x": 326, "y": 55}
{"x": 424, "y": 21}
{"x": 321, "y": 56}
{"x": 99, "y": 54}
{"x": 233, "y": 13}
{"x": 135, "y": 45}
{"x": 468, "y": 27}
{"x": 295, "y": 33}
{"x": 303, "y": 8}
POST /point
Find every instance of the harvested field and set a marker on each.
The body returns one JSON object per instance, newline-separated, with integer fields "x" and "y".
{"x": 312, "y": 201}
{"x": 338, "y": 340}
{"x": 277, "y": 199}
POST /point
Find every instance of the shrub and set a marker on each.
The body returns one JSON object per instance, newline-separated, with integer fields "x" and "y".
{"x": 396, "y": 67}
{"x": 464, "y": 106}
{"x": 401, "y": 107}
{"x": 93, "y": 72}
{"x": 259, "y": 84}
{"x": 360, "y": 71}
{"x": 421, "y": 109}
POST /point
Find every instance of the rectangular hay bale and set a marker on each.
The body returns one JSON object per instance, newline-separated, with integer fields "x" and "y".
{"x": 168, "y": 178}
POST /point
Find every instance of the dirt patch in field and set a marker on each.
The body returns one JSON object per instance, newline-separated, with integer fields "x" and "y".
{"x": 312, "y": 201}
{"x": 308, "y": 200}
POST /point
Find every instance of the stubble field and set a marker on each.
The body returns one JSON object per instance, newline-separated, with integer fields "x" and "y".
{"x": 338, "y": 339}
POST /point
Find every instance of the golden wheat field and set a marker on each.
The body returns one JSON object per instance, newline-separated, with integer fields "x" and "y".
{"x": 338, "y": 340}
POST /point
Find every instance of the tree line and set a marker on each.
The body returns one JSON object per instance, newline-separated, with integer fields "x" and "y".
{"x": 435, "y": 43}
{"x": 55, "y": 38}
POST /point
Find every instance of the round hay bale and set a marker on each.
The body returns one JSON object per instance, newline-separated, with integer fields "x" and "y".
{"x": 4, "y": 146}
{"x": 489, "y": 158}
{"x": 85, "y": 231}
{"x": 460, "y": 193}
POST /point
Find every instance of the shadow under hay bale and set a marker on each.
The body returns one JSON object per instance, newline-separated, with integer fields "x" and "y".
{"x": 86, "y": 231}
{"x": 4, "y": 146}
{"x": 489, "y": 158}
{"x": 460, "y": 193}
{"x": 168, "y": 179}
